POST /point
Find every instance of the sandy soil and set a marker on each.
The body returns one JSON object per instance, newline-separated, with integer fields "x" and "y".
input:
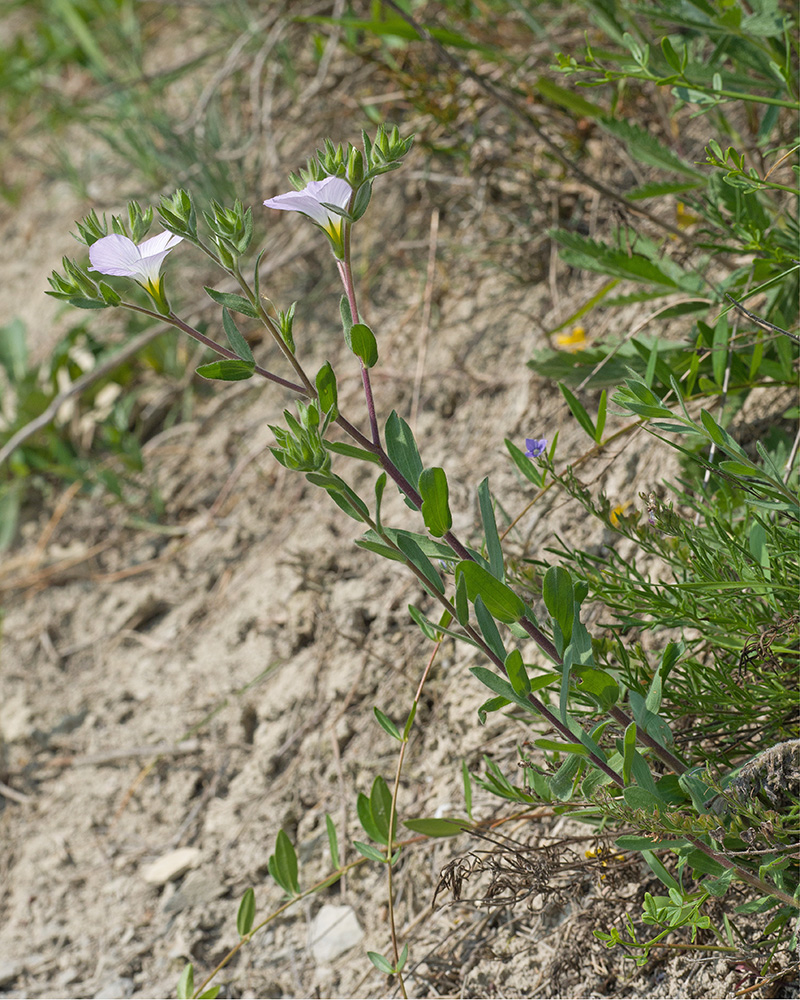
{"x": 210, "y": 680}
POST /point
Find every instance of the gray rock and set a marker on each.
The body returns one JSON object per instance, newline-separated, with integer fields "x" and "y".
{"x": 333, "y": 931}
{"x": 171, "y": 865}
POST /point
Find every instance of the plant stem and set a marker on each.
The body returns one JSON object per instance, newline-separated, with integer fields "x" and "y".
{"x": 672, "y": 762}
{"x": 173, "y": 320}
{"x": 346, "y": 275}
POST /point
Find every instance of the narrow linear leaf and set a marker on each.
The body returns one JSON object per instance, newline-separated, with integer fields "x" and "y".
{"x": 387, "y": 725}
{"x": 489, "y": 629}
{"x": 333, "y": 841}
{"x": 437, "y": 827}
{"x": 227, "y": 370}
{"x": 417, "y": 557}
{"x": 239, "y": 345}
{"x": 578, "y": 411}
{"x": 493, "y": 548}
{"x": 629, "y": 748}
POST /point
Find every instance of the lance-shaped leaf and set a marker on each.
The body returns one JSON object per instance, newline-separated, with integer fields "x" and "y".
{"x": 493, "y": 549}
{"x": 227, "y": 370}
{"x": 402, "y": 450}
{"x": 501, "y": 601}
{"x": 239, "y": 345}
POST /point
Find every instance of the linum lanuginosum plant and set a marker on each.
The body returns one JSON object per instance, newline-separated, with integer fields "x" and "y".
{"x": 477, "y": 605}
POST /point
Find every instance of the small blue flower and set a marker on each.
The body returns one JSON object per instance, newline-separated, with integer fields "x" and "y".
{"x": 536, "y": 447}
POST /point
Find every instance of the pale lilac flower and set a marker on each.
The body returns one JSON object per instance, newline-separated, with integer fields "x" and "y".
{"x": 311, "y": 202}
{"x": 120, "y": 256}
{"x": 535, "y": 447}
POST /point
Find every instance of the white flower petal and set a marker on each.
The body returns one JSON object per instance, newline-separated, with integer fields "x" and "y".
{"x": 332, "y": 190}
{"x": 164, "y": 241}
{"x": 114, "y": 255}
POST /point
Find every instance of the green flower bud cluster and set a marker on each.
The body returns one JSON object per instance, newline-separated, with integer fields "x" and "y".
{"x": 301, "y": 447}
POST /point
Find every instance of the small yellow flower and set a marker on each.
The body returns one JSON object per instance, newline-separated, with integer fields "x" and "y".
{"x": 574, "y": 340}
{"x": 617, "y": 513}
{"x": 684, "y": 218}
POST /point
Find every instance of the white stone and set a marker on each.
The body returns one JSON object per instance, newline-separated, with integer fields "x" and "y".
{"x": 171, "y": 865}
{"x": 333, "y": 931}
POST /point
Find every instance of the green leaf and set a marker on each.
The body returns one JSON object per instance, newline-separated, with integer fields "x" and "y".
{"x": 333, "y": 841}
{"x": 599, "y": 685}
{"x": 719, "y": 350}
{"x": 517, "y": 673}
{"x": 361, "y": 341}
{"x": 601, "y": 417}
{"x": 500, "y": 686}
{"x": 466, "y": 778}
{"x": 530, "y": 471}
{"x": 644, "y": 146}
{"x": 247, "y": 913}
{"x": 366, "y": 819}
{"x": 489, "y": 629}
{"x": 387, "y": 725}
{"x": 435, "y": 501}
{"x": 564, "y": 98}
{"x": 559, "y": 599}
{"x": 563, "y": 781}
{"x": 351, "y": 451}
{"x": 328, "y": 393}
{"x": 433, "y": 631}
{"x": 236, "y": 303}
{"x": 402, "y": 450}
{"x": 670, "y": 55}
{"x": 491, "y": 705}
{"x": 413, "y": 713}
{"x": 380, "y": 963}
{"x": 185, "y": 988}
{"x": 380, "y": 803}
{"x": 579, "y": 251}
{"x": 282, "y": 865}
{"x": 14, "y": 350}
{"x": 239, "y": 345}
{"x": 347, "y": 317}
{"x": 369, "y": 852}
{"x": 629, "y": 745}
{"x": 462, "y": 602}
{"x": 556, "y": 746}
{"x": 702, "y": 864}
{"x": 81, "y": 303}
{"x": 417, "y": 557}
{"x": 578, "y": 411}
{"x": 657, "y": 189}
{"x": 437, "y": 827}
{"x": 493, "y": 549}
{"x": 641, "y": 798}
{"x": 658, "y": 869}
{"x": 501, "y": 602}
{"x": 211, "y": 994}
{"x": 632, "y": 842}
{"x": 227, "y": 370}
